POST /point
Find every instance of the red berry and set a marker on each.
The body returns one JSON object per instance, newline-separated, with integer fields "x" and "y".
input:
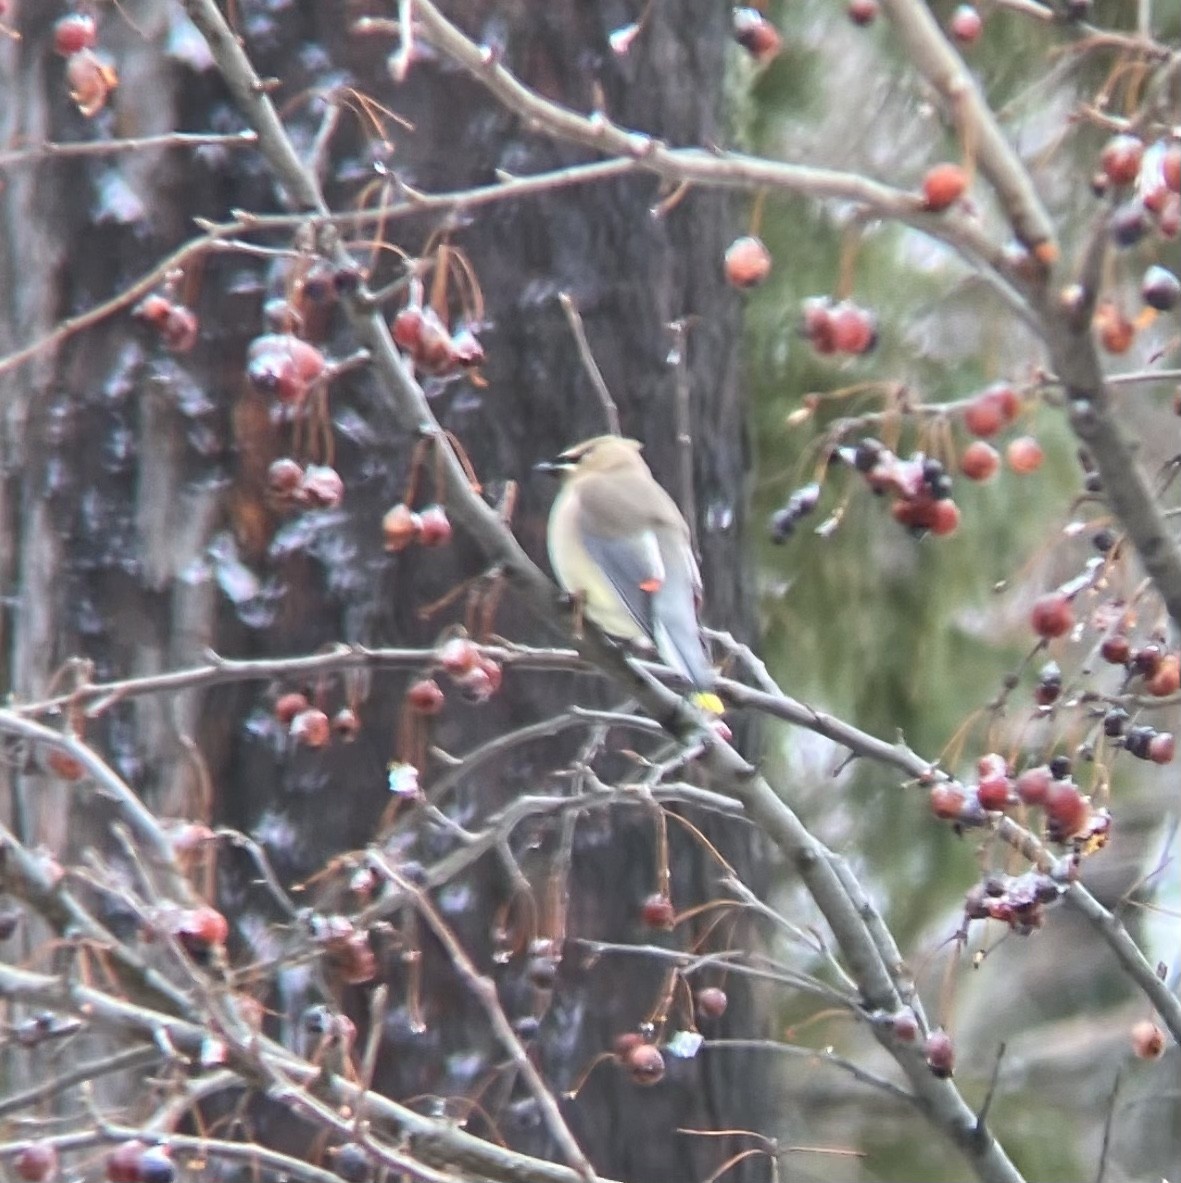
{"x": 400, "y": 527}
{"x": 966, "y": 24}
{"x": 995, "y": 794}
{"x": 940, "y": 1054}
{"x": 853, "y": 329}
{"x": 644, "y": 1064}
{"x": 36, "y": 1162}
{"x": 311, "y": 728}
{"x": 63, "y": 764}
{"x": 434, "y": 526}
{"x": 747, "y": 263}
{"x": 124, "y": 1161}
{"x": 818, "y": 324}
{"x": 287, "y": 706}
{"x": 1121, "y": 158}
{"x": 1167, "y": 678}
{"x": 982, "y": 416}
{"x": 943, "y": 186}
{"x": 906, "y": 1025}
{"x": 980, "y": 461}
{"x": 1116, "y": 331}
{"x": 407, "y": 328}
{"x": 1148, "y": 1040}
{"x": 1162, "y": 747}
{"x": 1052, "y": 615}
{"x": 657, "y": 912}
{"x": 74, "y": 32}
{"x": 1024, "y": 455}
{"x": 1067, "y": 810}
{"x": 711, "y": 1002}
{"x": 757, "y": 35}
{"x": 459, "y": 655}
{"x": 1171, "y": 167}
{"x": 1116, "y": 649}
{"x": 1033, "y": 784}
{"x": 945, "y": 517}
{"x": 863, "y": 12}
{"x": 947, "y": 801}
{"x": 425, "y": 697}
{"x": 203, "y": 926}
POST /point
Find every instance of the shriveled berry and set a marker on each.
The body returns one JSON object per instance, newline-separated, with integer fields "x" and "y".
{"x": 322, "y": 487}
{"x": 1060, "y": 767}
{"x": 346, "y": 726}
{"x": 1137, "y": 740}
{"x": 940, "y": 1054}
{"x": 1128, "y": 224}
{"x": 155, "y": 1166}
{"x": 1148, "y": 1040}
{"x": 1160, "y": 288}
{"x": 906, "y": 1025}
{"x": 352, "y": 1163}
{"x": 863, "y": 12}
{"x": 1114, "y": 722}
{"x": 644, "y": 1064}
{"x": 284, "y": 477}
{"x": 657, "y": 912}
{"x": 1052, "y": 615}
{"x": 9, "y": 922}
{"x": 1147, "y": 659}
{"x": 1049, "y": 684}
{"x": 711, "y": 1002}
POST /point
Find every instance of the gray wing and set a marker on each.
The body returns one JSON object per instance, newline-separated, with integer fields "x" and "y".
{"x": 632, "y": 565}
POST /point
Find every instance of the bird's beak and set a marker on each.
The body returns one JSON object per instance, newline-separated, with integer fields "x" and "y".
{"x": 554, "y": 467}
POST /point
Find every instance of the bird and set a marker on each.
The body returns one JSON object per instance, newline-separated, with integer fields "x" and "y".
{"x": 621, "y": 548}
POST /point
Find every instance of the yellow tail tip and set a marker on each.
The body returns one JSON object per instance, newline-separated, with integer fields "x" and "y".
{"x": 709, "y": 702}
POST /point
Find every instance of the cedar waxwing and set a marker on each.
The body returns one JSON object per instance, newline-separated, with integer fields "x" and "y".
{"x": 618, "y": 542}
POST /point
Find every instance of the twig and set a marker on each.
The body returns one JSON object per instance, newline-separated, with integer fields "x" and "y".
{"x": 574, "y": 320}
